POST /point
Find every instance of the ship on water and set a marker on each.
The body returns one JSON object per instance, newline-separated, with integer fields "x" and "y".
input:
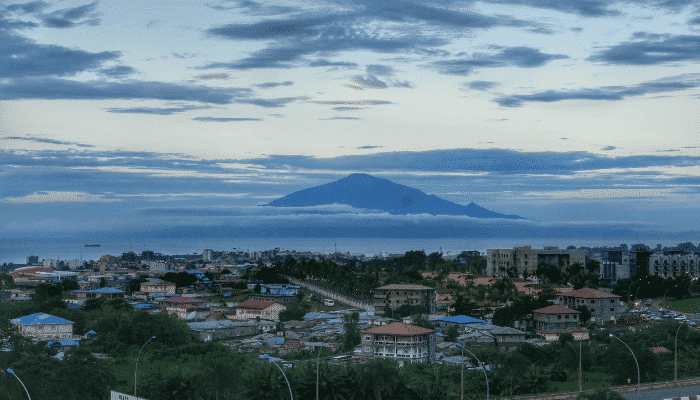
{"x": 93, "y": 245}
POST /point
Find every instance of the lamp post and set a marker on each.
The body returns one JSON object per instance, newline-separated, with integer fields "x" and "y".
{"x": 483, "y": 367}
{"x": 639, "y": 375}
{"x": 281, "y": 370}
{"x": 636, "y": 293}
{"x": 137, "y": 363}
{"x": 675, "y": 355}
{"x": 318, "y": 361}
{"x": 630, "y": 287}
{"x": 20, "y": 381}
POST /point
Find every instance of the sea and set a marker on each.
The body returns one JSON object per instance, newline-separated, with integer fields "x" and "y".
{"x": 16, "y": 250}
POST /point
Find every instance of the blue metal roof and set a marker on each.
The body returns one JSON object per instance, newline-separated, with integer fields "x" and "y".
{"x": 106, "y": 290}
{"x": 40, "y": 319}
{"x": 63, "y": 343}
{"x": 463, "y": 319}
{"x": 91, "y": 333}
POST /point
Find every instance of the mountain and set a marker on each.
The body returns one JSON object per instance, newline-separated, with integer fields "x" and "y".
{"x": 369, "y": 192}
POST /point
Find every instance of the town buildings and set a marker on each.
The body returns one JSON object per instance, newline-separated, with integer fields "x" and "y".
{"x": 555, "y": 317}
{"x": 500, "y": 261}
{"x": 157, "y": 286}
{"x": 401, "y": 342}
{"x": 262, "y": 309}
{"x": 671, "y": 265}
{"x": 391, "y": 297}
{"x": 602, "y": 305}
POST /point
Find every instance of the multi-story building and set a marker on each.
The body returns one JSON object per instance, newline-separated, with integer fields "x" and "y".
{"x": 105, "y": 292}
{"x": 401, "y": 342}
{"x": 263, "y": 309}
{"x": 207, "y": 254}
{"x": 32, "y": 260}
{"x": 555, "y": 318}
{"x": 601, "y": 304}
{"x": 188, "y": 312}
{"x": 500, "y": 261}
{"x": 391, "y": 297}
{"x": 50, "y": 264}
{"x": 672, "y": 265}
{"x": 157, "y": 286}
{"x": 42, "y": 326}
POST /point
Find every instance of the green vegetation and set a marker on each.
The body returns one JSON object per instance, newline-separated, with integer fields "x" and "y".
{"x": 691, "y": 305}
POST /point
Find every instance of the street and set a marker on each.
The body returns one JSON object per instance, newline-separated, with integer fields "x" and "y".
{"x": 658, "y": 394}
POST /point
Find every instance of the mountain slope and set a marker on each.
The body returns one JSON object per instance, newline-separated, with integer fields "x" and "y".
{"x": 369, "y": 192}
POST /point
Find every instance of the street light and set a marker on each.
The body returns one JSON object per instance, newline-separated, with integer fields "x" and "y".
{"x": 483, "y": 367}
{"x": 283, "y": 374}
{"x": 637, "y": 292}
{"x": 20, "y": 381}
{"x": 137, "y": 363}
{"x": 635, "y": 361}
{"x": 675, "y": 355}
{"x": 668, "y": 290}
{"x": 318, "y": 361}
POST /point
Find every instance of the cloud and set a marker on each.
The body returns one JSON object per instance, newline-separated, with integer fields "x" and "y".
{"x": 271, "y": 103}
{"x": 694, "y": 21}
{"x": 52, "y": 197}
{"x": 117, "y": 71}
{"x": 608, "y": 148}
{"x": 155, "y": 110}
{"x": 184, "y": 56}
{"x": 343, "y": 108}
{"x": 56, "y": 88}
{"x": 28, "y": 8}
{"x": 326, "y": 63}
{"x": 254, "y": 8}
{"x": 43, "y": 140}
{"x": 351, "y": 102}
{"x": 371, "y": 79}
{"x": 68, "y": 18}
{"x": 214, "y": 119}
{"x": 480, "y": 85}
{"x": 670, "y": 84}
{"x": 584, "y": 8}
{"x": 370, "y": 147}
{"x": 524, "y": 57}
{"x": 656, "y": 49}
{"x": 269, "y": 85}
{"x": 215, "y": 75}
{"x": 334, "y": 118}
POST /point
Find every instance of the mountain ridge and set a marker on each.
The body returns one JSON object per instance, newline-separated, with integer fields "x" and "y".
{"x": 369, "y": 192}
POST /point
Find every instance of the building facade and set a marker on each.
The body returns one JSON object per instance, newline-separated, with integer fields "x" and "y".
{"x": 157, "y": 286}
{"x": 672, "y": 265}
{"x": 555, "y": 318}
{"x": 42, "y": 326}
{"x": 263, "y": 309}
{"x": 391, "y": 297}
{"x": 401, "y": 342}
{"x": 601, "y": 304}
{"x": 500, "y": 261}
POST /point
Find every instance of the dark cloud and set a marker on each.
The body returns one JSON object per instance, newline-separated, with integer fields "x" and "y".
{"x": 379, "y": 70}
{"x": 71, "y": 17}
{"x": 56, "y": 88}
{"x": 215, "y": 119}
{"x": 336, "y": 118}
{"x": 271, "y": 103}
{"x": 184, "y": 56}
{"x": 155, "y": 110}
{"x": 524, "y": 57}
{"x": 215, "y": 75}
{"x": 369, "y": 147}
{"x": 254, "y": 8}
{"x": 671, "y": 84}
{"x": 657, "y": 49}
{"x": 274, "y": 29}
{"x": 28, "y": 8}
{"x": 608, "y": 148}
{"x": 481, "y": 85}
{"x": 117, "y": 71}
{"x": 345, "y": 108}
{"x": 694, "y": 21}
{"x": 584, "y": 8}
{"x": 326, "y": 63}
{"x": 42, "y": 140}
{"x": 371, "y": 79}
{"x": 352, "y": 102}
{"x": 269, "y": 85}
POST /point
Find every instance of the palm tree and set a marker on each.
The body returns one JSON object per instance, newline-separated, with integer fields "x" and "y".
{"x": 380, "y": 376}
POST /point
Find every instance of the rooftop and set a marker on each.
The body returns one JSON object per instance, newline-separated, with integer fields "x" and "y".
{"x": 463, "y": 319}
{"x": 405, "y": 287}
{"x": 587, "y": 293}
{"x": 256, "y": 304}
{"x": 555, "y": 310}
{"x": 40, "y": 319}
{"x": 398, "y": 328}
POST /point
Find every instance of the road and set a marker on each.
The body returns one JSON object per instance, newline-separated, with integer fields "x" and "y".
{"x": 658, "y": 394}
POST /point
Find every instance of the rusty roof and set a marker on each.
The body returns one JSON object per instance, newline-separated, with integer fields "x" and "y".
{"x": 398, "y": 328}
{"x": 556, "y": 310}
{"x": 405, "y": 287}
{"x": 256, "y": 304}
{"x": 587, "y": 293}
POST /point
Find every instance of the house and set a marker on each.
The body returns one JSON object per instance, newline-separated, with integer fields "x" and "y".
{"x": 462, "y": 321}
{"x": 493, "y": 334}
{"x": 391, "y": 297}
{"x": 555, "y": 317}
{"x": 188, "y": 311}
{"x": 42, "y": 326}
{"x": 157, "y": 286}
{"x": 601, "y": 304}
{"x": 254, "y": 309}
{"x": 401, "y": 342}
{"x": 105, "y": 292}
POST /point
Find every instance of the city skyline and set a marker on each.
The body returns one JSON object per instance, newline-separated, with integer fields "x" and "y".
{"x": 132, "y": 118}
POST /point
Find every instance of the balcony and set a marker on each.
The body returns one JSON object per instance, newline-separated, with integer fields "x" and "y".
{"x": 415, "y": 297}
{"x": 380, "y": 296}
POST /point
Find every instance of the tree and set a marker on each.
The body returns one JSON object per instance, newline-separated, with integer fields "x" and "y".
{"x": 464, "y": 306}
{"x": 503, "y": 317}
{"x": 435, "y": 258}
{"x": 600, "y": 394}
{"x": 548, "y": 273}
{"x": 352, "y": 331}
{"x": 380, "y": 377}
{"x": 585, "y": 313}
{"x": 103, "y": 282}
{"x": 452, "y": 333}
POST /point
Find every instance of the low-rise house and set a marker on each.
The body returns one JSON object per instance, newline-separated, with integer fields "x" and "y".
{"x": 401, "y": 342}
{"x": 105, "y": 292}
{"x": 157, "y": 286}
{"x": 42, "y": 326}
{"x": 188, "y": 311}
{"x": 462, "y": 321}
{"x": 259, "y": 309}
{"x": 215, "y": 330}
{"x": 493, "y": 334}
{"x": 601, "y": 304}
{"x": 555, "y": 317}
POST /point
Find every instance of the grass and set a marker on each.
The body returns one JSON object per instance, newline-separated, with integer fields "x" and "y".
{"x": 686, "y": 305}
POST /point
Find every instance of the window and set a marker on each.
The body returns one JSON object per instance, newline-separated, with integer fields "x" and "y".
{"x": 612, "y": 309}
{"x": 558, "y": 316}
{"x": 566, "y": 317}
{"x": 592, "y": 301}
{"x": 592, "y": 310}
{"x": 612, "y": 301}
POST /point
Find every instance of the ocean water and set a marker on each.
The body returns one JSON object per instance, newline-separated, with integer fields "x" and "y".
{"x": 16, "y": 250}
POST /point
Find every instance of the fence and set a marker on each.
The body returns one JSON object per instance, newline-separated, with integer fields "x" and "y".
{"x": 619, "y": 389}
{"x": 332, "y": 294}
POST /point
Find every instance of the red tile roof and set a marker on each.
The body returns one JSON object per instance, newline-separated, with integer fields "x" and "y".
{"x": 659, "y": 350}
{"x": 587, "y": 293}
{"x": 555, "y": 310}
{"x": 256, "y": 304}
{"x": 405, "y": 287}
{"x": 181, "y": 300}
{"x": 399, "y": 328}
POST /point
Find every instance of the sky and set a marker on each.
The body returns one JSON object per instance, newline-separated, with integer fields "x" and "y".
{"x": 134, "y": 116}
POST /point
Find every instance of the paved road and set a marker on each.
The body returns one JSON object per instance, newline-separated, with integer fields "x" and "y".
{"x": 659, "y": 394}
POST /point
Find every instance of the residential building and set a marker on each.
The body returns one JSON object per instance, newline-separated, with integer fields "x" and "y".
{"x": 32, "y": 260}
{"x": 500, "y": 261}
{"x": 207, "y": 254}
{"x": 555, "y": 317}
{"x": 157, "y": 286}
{"x": 601, "y": 304}
{"x": 391, "y": 297}
{"x": 263, "y": 309}
{"x": 213, "y": 330}
{"x": 401, "y": 342}
{"x": 462, "y": 321}
{"x": 50, "y": 264}
{"x": 490, "y": 334}
{"x": 42, "y": 326}
{"x": 671, "y": 265}
{"x": 29, "y": 274}
{"x": 105, "y": 292}
{"x": 188, "y": 312}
